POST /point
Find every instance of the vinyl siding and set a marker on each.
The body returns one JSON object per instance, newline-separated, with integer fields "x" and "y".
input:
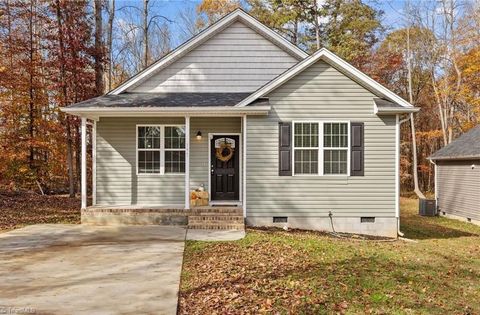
{"x": 117, "y": 182}
{"x": 459, "y": 188}
{"x": 199, "y": 168}
{"x": 321, "y": 93}
{"x": 235, "y": 60}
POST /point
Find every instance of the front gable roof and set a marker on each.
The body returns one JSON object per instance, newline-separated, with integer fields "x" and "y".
{"x": 237, "y": 15}
{"x": 340, "y": 64}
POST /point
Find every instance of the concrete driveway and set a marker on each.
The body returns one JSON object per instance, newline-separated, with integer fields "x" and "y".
{"x": 74, "y": 269}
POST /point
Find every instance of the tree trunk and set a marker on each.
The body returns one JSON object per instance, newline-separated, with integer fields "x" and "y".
{"x": 98, "y": 48}
{"x": 111, "y": 16}
{"x": 145, "y": 33}
{"x": 31, "y": 101}
{"x": 64, "y": 98}
{"x": 416, "y": 188}
{"x": 316, "y": 23}
{"x": 71, "y": 177}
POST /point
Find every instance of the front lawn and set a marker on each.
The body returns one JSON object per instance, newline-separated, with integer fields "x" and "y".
{"x": 313, "y": 273}
{"x": 20, "y": 209}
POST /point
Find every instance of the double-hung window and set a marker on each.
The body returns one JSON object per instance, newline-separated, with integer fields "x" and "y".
{"x": 160, "y": 149}
{"x": 320, "y": 148}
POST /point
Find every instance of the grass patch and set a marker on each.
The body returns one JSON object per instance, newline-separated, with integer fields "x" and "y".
{"x": 20, "y": 209}
{"x": 304, "y": 273}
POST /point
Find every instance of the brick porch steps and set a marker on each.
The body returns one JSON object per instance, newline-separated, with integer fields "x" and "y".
{"x": 216, "y": 221}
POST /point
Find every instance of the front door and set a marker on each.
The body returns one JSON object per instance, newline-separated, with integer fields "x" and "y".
{"x": 224, "y": 168}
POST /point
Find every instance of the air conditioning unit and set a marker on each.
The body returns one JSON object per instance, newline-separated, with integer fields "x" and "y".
{"x": 427, "y": 207}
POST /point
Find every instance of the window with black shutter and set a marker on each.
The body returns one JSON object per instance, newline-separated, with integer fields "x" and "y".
{"x": 285, "y": 149}
{"x": 357, "y": 163}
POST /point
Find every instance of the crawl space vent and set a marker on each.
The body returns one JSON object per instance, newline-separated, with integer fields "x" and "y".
{"x": 367, "y": 219}
{"x": 280, "y": 219}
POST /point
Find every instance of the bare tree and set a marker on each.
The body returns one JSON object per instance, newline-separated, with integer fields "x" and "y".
{"x": 136, "y": 46}
{"x": 146, "y": 25}
{"x": 98, "y": 56}
{"x": 111, "y": 17}
{"x": 417, "y": 190}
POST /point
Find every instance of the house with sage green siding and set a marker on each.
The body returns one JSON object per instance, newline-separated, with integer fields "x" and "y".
{"x": 239, "y": 126}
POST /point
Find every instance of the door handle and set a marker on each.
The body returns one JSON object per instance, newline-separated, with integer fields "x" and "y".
{"x": 211, "y": 170}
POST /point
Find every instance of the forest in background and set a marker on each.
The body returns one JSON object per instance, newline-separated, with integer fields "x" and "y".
{"x": 59, "y": 52}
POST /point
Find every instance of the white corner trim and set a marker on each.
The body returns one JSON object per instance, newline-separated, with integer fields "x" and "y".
{"x": 244, "y": 163}
{"x": 333, "y": 60}
{"x": 84, "y": 164}
{"x": 224, "y": 22}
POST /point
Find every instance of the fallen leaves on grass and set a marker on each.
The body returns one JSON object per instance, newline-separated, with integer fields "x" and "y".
{"x": 19, "y": 209}
{"x": 278, "y": 272}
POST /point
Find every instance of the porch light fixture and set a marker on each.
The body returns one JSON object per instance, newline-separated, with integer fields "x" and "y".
{"x": 199, "y": 135}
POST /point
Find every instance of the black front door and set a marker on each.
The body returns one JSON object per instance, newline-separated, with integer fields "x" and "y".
{"x": 224, "y": 168}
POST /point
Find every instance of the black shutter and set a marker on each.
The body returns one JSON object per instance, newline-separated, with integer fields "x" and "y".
{"x": 284, "y": 149}
{"x": 357, "y": 163}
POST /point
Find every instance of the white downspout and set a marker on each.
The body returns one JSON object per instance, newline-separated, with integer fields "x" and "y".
{"x": 397, "y": 170}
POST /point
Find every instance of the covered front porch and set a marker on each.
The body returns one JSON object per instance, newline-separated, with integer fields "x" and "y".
{"x": 166, "y": 169}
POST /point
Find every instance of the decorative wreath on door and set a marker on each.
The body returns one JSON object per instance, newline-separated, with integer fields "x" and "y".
{"x": 225, "y": 152}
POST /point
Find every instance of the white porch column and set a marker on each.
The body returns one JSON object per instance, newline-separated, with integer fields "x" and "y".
{"x": 187, "y": 162}
{"x": 94, "y": 163}
{"x": 244, "y": 168}
{"x": 84, "y": 164}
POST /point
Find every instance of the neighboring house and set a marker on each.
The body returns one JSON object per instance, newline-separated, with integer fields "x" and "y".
{"x": 289, "y": 139}
{"x": 457, "y": 177}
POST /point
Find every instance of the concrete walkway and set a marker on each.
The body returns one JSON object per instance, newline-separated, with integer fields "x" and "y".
{"x": 74, "y": 269}
{"x": 215, "y": 235}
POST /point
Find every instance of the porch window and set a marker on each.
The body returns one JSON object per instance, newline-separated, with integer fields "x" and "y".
{"x": 320, "y": 148}
{"x": 149, "y": 149}
{"x": 160, "y": 149}
{"x": 174, "y": 150}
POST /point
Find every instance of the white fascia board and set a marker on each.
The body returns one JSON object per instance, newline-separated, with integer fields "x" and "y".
{"x": 168, "y": 111}
{"x": 335, "y": 61}
{"x": 394, "y": 110}
{"x": 204, "y": 36}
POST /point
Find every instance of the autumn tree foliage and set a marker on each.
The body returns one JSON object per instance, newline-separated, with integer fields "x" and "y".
{"x": 48, "y": 65}
{"x": 58, "y": 52}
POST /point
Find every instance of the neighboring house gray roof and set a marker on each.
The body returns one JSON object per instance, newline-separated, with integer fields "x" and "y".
{"x": 464, "y": 147}
{"x": 125, "y": 100}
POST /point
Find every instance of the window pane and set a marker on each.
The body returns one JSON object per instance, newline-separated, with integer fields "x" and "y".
{"x": 306, "y": 161}
{"x": 174, "y": 161}
{"x": 174, "y": 137}
{"x": 149, "y": 137}
{"x": 148, "y": 162}
{"x": 335, "y": 135}
{"x": 306, "y": 135}
{"x": 335, "y": 162}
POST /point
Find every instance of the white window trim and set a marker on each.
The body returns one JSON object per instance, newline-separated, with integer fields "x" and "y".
{"x": 320, "y": 147}
{"x": 161, "y": 149}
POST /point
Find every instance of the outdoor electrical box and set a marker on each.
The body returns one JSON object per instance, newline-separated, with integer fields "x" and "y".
{"x": 427, "y": 207}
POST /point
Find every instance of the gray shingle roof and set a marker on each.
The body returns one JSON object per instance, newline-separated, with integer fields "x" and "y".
{"x": 464, "y": 147}
{"x": 125, "y": 100}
